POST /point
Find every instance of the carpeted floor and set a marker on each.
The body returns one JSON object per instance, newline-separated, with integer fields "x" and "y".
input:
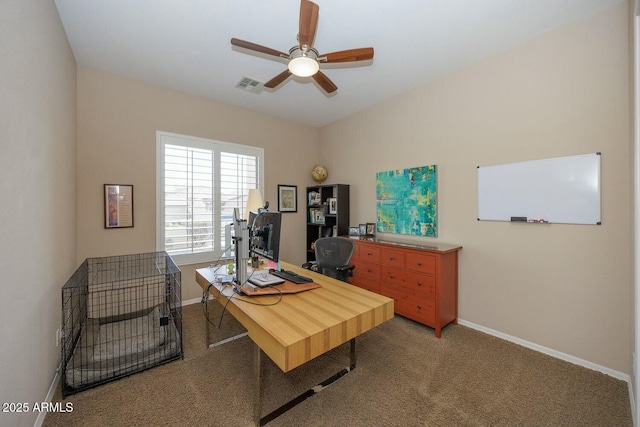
{"x": 404, "y": 377}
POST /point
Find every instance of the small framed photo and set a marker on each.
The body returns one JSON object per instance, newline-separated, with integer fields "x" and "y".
{"x": 118, "y": 206}
{"x": 354, "y": 231}
{"x": 333, "y": 205}
{"x": 362, "y": 228}
{"x": 287, "y": 198}
{"x": 371, "y": 229}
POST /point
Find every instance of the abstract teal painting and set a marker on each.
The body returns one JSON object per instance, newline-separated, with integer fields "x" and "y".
{"x": 406, "y": 201}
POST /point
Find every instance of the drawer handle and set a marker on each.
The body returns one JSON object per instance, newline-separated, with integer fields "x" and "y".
{"x": 391, "y": 258}
{"x": 419, "y": 264}
{"x": 419, "y": 307}
{"x": 368, "y": 270}
{"x": 419, "y": 283}
{"x": 391, "y": 276}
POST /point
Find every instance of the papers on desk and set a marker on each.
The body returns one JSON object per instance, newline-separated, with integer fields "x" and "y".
{"x": 263, "y": 278}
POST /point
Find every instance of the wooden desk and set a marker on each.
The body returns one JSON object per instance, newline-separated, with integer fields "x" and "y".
{"x": 305, "y": 325}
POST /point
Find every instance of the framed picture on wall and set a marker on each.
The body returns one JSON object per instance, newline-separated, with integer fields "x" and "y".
{"x": 287, "y": 198}
{"x": 118, "y": 206}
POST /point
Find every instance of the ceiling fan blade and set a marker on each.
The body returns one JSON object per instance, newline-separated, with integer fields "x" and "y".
{"x": 324, "y": 82}
{"x": 257, "y": 48}
{"x": 308, "y": 23}
{"x": 278, "y": 79}
{"x": 352, "y": 55}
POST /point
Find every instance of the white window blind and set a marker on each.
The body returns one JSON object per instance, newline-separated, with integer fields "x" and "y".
{"x": 199, "y": 183}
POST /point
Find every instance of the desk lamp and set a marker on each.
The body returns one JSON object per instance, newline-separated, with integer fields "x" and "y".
{"x": 254, "y": 202}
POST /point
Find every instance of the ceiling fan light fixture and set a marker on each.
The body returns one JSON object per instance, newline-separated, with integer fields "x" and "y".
{"x": 303, "y": 66}
{"x": 303, "y": 60}
{"x": 303, "y": 63}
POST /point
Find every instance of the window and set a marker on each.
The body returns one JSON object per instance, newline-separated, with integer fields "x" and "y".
{"x": 199, "y": 183}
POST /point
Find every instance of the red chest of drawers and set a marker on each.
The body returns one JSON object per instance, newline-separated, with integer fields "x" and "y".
{"x": 422, "y": 280}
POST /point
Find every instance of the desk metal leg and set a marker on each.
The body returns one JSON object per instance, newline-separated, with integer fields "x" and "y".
{"x": 224, "y": 341}
{"x": 352, "y": 355}
{"x": 316, "y": 389}
{"x": 206, "y": 321}
{"x": 233, "y": 338}
{"x": 257, "y": 369}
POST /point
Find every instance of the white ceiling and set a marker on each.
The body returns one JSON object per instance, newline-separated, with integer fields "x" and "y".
{"x": 184, "y": 44}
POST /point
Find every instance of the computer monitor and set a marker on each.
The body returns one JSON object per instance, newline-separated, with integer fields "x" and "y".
{"x": 265, "y": 234}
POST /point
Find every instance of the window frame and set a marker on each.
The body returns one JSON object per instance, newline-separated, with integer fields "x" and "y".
{"x": 217, "y": 147}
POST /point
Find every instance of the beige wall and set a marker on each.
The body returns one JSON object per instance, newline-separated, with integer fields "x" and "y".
{"x": 117, "y": 123}
{"x": 38, "y": 187}
{"x": 565, "y": 287}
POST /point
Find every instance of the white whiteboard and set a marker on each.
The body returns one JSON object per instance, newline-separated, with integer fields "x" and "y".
{"x": 560, "y": 190}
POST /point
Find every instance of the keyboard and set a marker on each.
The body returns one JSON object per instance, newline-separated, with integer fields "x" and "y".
{"x": 290, "y": 276}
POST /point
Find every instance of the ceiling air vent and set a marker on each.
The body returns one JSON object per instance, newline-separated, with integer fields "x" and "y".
{"x": 250, "y": 85}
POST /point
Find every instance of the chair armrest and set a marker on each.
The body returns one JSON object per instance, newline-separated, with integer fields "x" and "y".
{"x": 347, "y": 267}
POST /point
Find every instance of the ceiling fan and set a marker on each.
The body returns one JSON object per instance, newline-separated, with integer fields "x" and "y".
{"x": 304, "y": 60}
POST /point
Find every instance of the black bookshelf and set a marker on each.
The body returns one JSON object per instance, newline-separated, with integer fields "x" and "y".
{"x": 327, "y": 213}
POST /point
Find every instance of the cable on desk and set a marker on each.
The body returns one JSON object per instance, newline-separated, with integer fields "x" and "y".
{"x": 206, "y": 295}
{"x": 224, "y": 309}
{"x": 255, "y": 303}
{"x": 217, "y": 266}
{"x": 205, "y": 306}
{"x": 237, "y": 298}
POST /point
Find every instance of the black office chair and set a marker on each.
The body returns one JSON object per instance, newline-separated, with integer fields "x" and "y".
{"x": 332, "y": 257}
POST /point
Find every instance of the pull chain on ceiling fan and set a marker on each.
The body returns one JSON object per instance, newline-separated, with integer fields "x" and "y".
{"x": 304, "y": 60}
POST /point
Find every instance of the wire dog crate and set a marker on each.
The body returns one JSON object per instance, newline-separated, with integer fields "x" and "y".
{"x": 120, "y": 315}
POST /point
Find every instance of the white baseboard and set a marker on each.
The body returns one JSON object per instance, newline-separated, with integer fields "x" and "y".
{"x": 562, "y": 356}
{"x": 633, "y": 403}
{"x": 192, "y": 301}
{"x": 49, "y": 398}
{"x": 549, "y": 351}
